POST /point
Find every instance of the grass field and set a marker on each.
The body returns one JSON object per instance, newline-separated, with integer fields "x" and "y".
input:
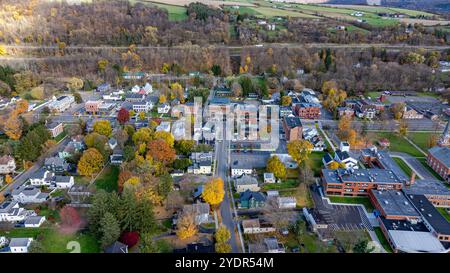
{"x": 55, "y": 242}
{"x": 402, "y": 164}
{"x": 285, "y": 184}
{"x": 398, "y": 143}
{"x": 176, "y": 13}
{"x": 420, "y": 139}
{"x": 383, "y": 241}
{"x": 315, "y": 161}
{"x": 353, "y": 200}
{"x": 108, "y": 179}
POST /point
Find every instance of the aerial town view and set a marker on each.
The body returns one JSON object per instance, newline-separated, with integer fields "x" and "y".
{"x": 231, "y": 126}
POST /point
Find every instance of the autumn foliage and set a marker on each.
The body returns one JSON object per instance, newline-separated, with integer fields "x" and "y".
{"x": 213, "y": 191}
{"x": 160, "y": 151}
{"x": 91, "y": 162}
{"x": 130, "y": 238}
{"x": 123, "y": 116}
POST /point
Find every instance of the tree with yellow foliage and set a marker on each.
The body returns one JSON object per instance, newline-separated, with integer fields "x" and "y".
{"x": 8, "y": 179}
{"x": 102, "y": 64}
{"x": 222, "y": 236}
{"x": 75, "y": 84}
{"x": 177, "y": 90}
{"x": 299, "y": 150}
{"x": 103, "y": 127}
{"x": 286, "y": 100}
{"x": 21, "y": 106}
{"x": 333, "y": 165}
{"x": 141, "y": 115}
{"x": 90, "y": 162}
{"x": 166, "y": 136}
{"x": 13, "y": 127}
{"x": 132, "y": 183}
{"x": 3, "y": 50}
{"x": 162, "y": 99}
{"x": 186, "y": 227}
{"x": 213, "y": 191}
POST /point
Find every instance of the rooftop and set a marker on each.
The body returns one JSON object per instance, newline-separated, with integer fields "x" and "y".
{"x": 427, "y": 187}
{"x": 380, "y": 176}
{"x": 414, "y": 241}
{"x": 395, "y": 203}
{"x": 442, "y": 154}
{"x": 430, "y": 214}
{"x": 33, "y": 220}
{"x": 246, "y": 180}
{"x": 293, "y": 122}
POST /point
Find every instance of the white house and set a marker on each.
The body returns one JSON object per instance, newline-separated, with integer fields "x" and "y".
{"x": 201, "y": 167}
{"x": 344, "y": 146}
{"x": 287, "y": 202}
{"x": 163, "y": 126}
{"x": 42, "y": 177}
{"x": 240, "y": 169}
{"x": 142, "y": 106}
{"x": 7, "y": 164}
{"x": 62, "y": 182}
{"x": 254, "y": 226}
{"x": 10, "y": 211}
{"x": 345, "y": 158}
{"x": 61, "y": 104}
{"x": 246, "y": 182}
{"x": 29, "y": 194}
{"x": 269, "y": 178}
{"x": 34, "y": 221}
{"x": 20, "y": 245}
{"x": 163, "y": 108}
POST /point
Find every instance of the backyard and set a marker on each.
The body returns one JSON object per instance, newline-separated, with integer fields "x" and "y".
{"x": 107, "y": 180}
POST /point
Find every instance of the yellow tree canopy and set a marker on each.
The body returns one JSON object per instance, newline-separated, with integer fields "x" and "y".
{"x": 214, "y": 191}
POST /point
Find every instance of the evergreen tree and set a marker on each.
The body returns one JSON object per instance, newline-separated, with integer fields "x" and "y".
{"x": 109, "y": 228}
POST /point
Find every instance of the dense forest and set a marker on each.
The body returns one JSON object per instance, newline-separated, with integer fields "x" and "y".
{"x": 121, "y": 23}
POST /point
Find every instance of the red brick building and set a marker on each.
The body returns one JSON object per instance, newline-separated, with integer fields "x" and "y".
{"x": 92, "y": 106}
{"x": 359, "y": 182}
{"x": 307, "y": 110}
{"x": 292, "y": 128}
{"x": 439, "y": 160}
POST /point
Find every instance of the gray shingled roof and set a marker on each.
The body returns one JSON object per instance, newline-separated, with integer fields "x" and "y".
{"x": 442, "y": 154}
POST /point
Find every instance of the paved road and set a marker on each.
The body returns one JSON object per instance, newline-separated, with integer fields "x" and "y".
{"x": 23, "y": 177}
{"x": 225, "y": 207}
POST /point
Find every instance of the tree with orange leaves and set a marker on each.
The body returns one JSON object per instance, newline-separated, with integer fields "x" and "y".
{"x": 160, "y": 151}
{"x": 21, "y": 106}
{"x": 13, "y": 127}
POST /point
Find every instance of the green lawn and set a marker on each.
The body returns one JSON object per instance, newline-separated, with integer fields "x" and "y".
{"x": 108, "y": 179}
{"x": 444, "y": 213}
{"x": 315, "y": 162}
{"x": 383, "y": 241}
{"x": 402, "y": 164}
{"x": 398, "y": 143}
{"x": 55, "y": 242}
{"x": 60, "y": 136}
{"x": 420, "y": 139}
{"x": 353, "y": 200}
{"x": 176, "y": 13}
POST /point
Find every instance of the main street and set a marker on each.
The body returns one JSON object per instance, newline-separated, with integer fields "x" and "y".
{"x": 227, "y": 209}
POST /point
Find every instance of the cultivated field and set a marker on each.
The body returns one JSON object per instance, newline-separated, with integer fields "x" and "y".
{"x": 206, "y": 2}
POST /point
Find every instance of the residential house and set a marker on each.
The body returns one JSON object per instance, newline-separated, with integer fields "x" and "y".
{"x": 7, "y": 164}
{"x": 55, "y": 128}
{"x": 251, "y": 200}
{"x": 163, "y": 126}
{"x": 365, "y": 109}
{"x": 246, "y": 182}
{"x": 134, "y": 97}
{"x": 20, "y": 245}
{"x": 439, "y": 160}
{"x": 163, "y": 108}
{"x": 75, "y": 145}
{"x": 344, "y": 146}
{"x": 201, "y": 163}
{"x": 345, "y": 158}
{"x": 117, "y": 247}
{"x": 142, "y": 106}
{"x": 327, "y": 159}
{"x": 285, "y": 111}
{"x": 137, "y": 75}
{"x": 62, "y": 182}
{"x": 104, "y": 87}
{"x": 200, "y": 212}
{"x": 240, "y": 167}
{"x": 286, "y": 202}
{"x": 116, "y": 157}
{"x": 34, "y": 221}
{"x": 61, "y": 104}
{"x": 112, "y": 143}
{"x": 56, "y": 165}
{"x": 269, "y": 245}
{"x": 92, "y": 106}
{"x": 42, "y": 177}
{"x": 10, "y": 211}
{"x": 29, "y": 194}
{"x": 292, "y": 128}
{"x": 255, "y": 226}
{"x": 269, "y": 178}
{"x": 345, "y": 111}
